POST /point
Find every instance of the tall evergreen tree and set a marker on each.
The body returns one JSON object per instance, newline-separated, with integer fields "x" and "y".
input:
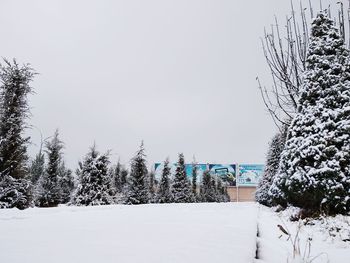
{"x": 151, "y": 185}
{"x": 15, "y": 186}
{"x": 48, "y": 191}
{"x": 138, "y": 191}
{"x": 37, "y": 167}
{"x": 119, "y": 174}
{"x": 181, "y": 187}
{"x": 194, "y": 179}
{"x": 116, "y": 174}
{"x": 221, "y": 190}
{"x": 276, "y": 147}
{"x": 164, "y": 193}
{"x": 208, "y": 189}
{"x": 123, "y": 177}
{"x": 314, "y": 171}
{"x": 66, "y": 183}
{"x": 95, "y": 186}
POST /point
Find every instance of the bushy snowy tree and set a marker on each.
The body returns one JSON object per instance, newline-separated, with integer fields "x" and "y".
{"x": 181, "y": 187}
{"x": 66, "y": 183}
{"x": 152, "y": 185}
{"x": 15, "y": 185}
{"x": 138, "y": 190}
{"x": 95, "y": 186}
{"x": 164, "y": 193}
{"x": 37, "y": 167}
{"x": 194, "y": 179}
{"x": 116, "y": 175}
{"x": 315, "y": 163}
{"x": 221, "y": 191}
{"x": 124, "y": 186}
{"x": 212, "y": 189}
{"x": 48, "y": 190}
{"x": 15, "y": 193}
{"x": 124, "y": 177}
{"x": 208, "y": 191}
{"x": 273, "y": 158}
{"x": 119, "y": 174}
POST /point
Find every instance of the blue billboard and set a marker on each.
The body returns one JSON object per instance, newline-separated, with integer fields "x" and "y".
{"x": 249, "y": 174}
{"x": 227, "y": 173}
{"x": 158, "y": 168}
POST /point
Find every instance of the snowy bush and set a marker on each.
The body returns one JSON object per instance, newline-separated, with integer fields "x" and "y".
{"x": 15, "y": 193}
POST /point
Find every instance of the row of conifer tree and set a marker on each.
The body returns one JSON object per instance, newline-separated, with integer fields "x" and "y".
{"x": 45, "y": 181}
{"x": 100, "y": 183}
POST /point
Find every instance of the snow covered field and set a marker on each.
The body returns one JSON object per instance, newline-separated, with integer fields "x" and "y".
{"x": 181, "y": 233}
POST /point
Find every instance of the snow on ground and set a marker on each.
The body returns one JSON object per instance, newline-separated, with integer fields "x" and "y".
{"x": 181, "y": 233}
{"x": 329, "y": 238}
{"x": 178, "y": 233}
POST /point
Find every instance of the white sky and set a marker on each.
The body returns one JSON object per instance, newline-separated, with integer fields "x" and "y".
{"x": 178, "y": 74}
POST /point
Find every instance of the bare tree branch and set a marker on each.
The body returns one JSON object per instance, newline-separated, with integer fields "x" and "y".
{"x": 285, "y": 51}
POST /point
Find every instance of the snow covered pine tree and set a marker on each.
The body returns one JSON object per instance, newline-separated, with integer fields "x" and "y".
{"x": 138, "y": 191}
{"x": 314, "y": 170}
{"x": 152, "y": 185}
{"x": 116, "y": 174}
{"x": 66, "y": 183}
{"x": 48, "y": 190}
{"x": 95, "y": 186}
{"x": 208, "y": 192}
{"x": 181, "y": 187}
{"x": 221, "y": 190}
{"x": 194, "y": 179}
{"x": 37, "y": 167}
{"x": 123, "y": 178}
{"x": 164, "y": 193}
{"x": 276, "y": 147}
{"x": 15, "y": 185}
